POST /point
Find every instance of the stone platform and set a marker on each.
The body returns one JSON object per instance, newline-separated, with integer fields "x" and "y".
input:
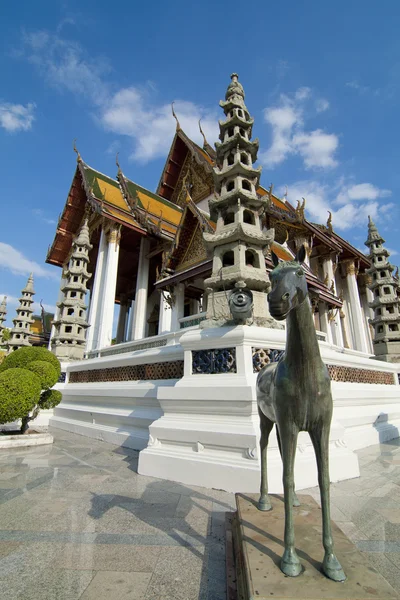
{"x": 258, "y": 547}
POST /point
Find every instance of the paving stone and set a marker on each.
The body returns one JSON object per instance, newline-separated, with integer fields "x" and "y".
{"x": 106, "y": 557}
{"x": 117, "y": 584}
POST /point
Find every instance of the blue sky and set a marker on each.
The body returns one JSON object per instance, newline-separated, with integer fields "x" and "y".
{"x": 322, "y": 81}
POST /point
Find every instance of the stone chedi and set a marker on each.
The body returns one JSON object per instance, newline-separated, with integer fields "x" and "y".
{"x": 68, "y": 342}
{"x": 3, "y": 312}
{"x": 386, "y": 321}
{"x": 22, "y": 322}
{"x": 239, "y": 242}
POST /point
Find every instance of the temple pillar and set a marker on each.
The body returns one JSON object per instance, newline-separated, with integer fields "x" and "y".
{"x": 178, "y": 308}
{"x": 324, "y": 321}
{"x": 96, "y": 295}
{"x": 366, "y": 296}
{"x": 165, "y": 319}
{"x": 360, "y": 337}
{"x": 142, "y": 285}
{"x": 129, "y": 335}
{"x": 122, "y": 319}
{"x": 108, "y": 288}
{"x": 334, "y": 316}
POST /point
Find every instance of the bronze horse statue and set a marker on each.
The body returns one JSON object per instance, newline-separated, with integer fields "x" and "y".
{"x": 295, "y": 393}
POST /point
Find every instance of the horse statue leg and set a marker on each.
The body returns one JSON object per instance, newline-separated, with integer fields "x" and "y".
{"x": 290, "y": 563}
{"x": 320, "y": 439}
{"x": 296, "y": 501}
{"x": 266, "y": 426}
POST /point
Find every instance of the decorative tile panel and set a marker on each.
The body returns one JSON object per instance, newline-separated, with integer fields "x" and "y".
{"x": 213, "y": 362}
{"x": 353, "y": 375}
{"x": 265, "y": 356}
{"x": 147, "y": 372}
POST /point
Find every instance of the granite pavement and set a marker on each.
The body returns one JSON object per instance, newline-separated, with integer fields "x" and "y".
{"x": 78, "y": 522}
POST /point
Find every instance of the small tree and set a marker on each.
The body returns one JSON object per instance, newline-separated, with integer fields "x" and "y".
{"x": 22, "y": 373}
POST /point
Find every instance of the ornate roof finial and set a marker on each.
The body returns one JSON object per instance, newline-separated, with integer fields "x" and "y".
{"x": 205, "y": 143}
{"x": 78, "y": 157}
{"x": 329, "y": 222}
{"x": 300, "y": 209}
{"x": 117, "y": 163}
{"x": 178, "y": 125}
{"x": 234, "y": 88}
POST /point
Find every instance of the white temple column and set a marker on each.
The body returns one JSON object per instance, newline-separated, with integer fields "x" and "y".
{"x": 142, "y": 285}
{"x": 108, "y": 289}
{"x": 96, "y": 295}
{"x": 324, "y": 321}
{"x": 367, "y": 296}
{"x": 122, "y": 319}
{"x": 355, "y": 306}
{"x": 178, "y": 307}
{"x": 129, "y": 335}
{"x": 165, "y": 320}
{"x": 334, "y": 318}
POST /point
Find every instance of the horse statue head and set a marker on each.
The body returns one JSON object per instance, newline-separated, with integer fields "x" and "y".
{"x": 288, "y": 285}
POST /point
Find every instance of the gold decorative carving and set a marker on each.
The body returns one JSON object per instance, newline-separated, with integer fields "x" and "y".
{"x": 300, "y": 208}
{"x": 350, "y": 267}
{"x": 329, "y": 222}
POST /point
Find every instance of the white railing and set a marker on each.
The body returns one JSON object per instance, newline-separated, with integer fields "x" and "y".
{"x": 192, "y": 320}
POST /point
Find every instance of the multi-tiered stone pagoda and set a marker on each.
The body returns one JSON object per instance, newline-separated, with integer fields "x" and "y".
{"x": 22, "y": 322}
{"x": 239, "y": 242}
{"x": 386, "y": 321}
{"x": 69, "y": 339}
{"x": 3, "y": 312}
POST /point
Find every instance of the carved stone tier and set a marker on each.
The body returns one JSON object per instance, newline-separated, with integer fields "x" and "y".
{"x": 22, "y": 323}
{"x": 69, "y": 339}
{"x": 383, "y": 285}
{"x": 239, "y": 243}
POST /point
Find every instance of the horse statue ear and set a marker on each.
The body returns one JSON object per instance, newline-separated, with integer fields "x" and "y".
{"x": 275, "y": 259}
{"x": 301, "y": 254}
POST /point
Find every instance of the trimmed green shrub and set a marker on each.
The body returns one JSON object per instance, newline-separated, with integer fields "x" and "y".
{"x": 50, "y": 399}
{"x": 45, "y": 371}
{"x": 22, "y": 357}
{"x": 19, "y": 393}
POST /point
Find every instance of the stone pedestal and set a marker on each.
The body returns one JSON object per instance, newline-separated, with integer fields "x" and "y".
{"x": 258, "y": 547}
{"x": 208, "y": 433}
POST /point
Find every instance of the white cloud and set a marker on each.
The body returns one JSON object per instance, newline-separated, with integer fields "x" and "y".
{"x": 362, "y": 191}
{"x": 130, "y": 113}
{"x": 317, "y": 148}
{"x": 13, "y": 260}
{"x": 321, "y": 105}
{"x": 39, "y": 213}
{"x": 16, "y": 117}
{"x": 289, "y": 136}
{"x": 64, "y": 65}
{"x": 322, "y": 198}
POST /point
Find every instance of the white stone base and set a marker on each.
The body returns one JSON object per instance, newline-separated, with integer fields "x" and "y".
{"x": 203, "y": 429}
{"x": 30, "y": 439}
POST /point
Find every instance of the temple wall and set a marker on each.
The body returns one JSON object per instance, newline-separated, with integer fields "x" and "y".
{"x": 190, "y": 407}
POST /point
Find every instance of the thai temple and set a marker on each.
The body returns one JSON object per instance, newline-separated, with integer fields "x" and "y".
{"x": 185, "y": 272}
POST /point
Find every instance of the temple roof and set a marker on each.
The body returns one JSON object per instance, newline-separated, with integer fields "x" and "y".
{"x": 106, "y": 198}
